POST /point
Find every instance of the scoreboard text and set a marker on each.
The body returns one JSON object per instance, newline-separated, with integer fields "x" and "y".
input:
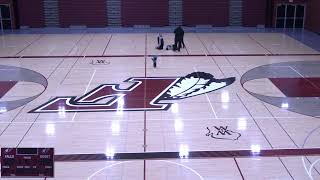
{"x": 27, "y": 162}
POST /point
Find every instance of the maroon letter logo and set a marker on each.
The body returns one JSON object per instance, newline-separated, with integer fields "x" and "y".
{"x": 145, "y": 93}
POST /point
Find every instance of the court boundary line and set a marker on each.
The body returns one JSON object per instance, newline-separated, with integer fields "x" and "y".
{"x": 260, "y": 44}
{"x": 105, "y": 49}
{"x": 145, "y": 112}
{"x": 211, "y": 57}
{"x": 238, "y": 167}
{"x": 26, "y": 47}
{"x": 286, "y": 132}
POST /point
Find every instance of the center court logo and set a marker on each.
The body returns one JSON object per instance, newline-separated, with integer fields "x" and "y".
{"x": 145, "y": 94}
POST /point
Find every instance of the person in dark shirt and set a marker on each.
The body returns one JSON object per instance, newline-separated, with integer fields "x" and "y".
{"x": 160, "y": 42}
{"x": 154, "y": 60}
{"x": 182, "y": 39}
{"x": 178, "y": 38}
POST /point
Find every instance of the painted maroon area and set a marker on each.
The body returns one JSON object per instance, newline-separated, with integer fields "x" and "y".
{"x": 31, "y": 13}
{"x": 315, "y": 82}
{"x": 5, "y": 86}
{"x": 254, "y": 12}
{"x": 145, "y": 12}
{"x": 298, "y": 87}
{"x": 83, "y": 13}
{"x": 206, "y": 12}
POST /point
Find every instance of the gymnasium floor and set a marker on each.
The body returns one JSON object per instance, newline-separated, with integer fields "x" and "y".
{"x": 263, "y": 125}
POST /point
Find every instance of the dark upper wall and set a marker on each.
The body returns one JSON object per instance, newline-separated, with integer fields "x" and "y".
{"x": 91, "y": 13}
{"x": 313, "y": 16}
{"x": 31, "y": 13}
{"x": 145, "y": 12}
{"x": 206, "y": 12}
{"x": 254, "y": 12}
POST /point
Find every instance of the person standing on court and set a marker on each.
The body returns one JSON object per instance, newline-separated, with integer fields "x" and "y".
{"x": 154, "y": 60}
{"x": 182, "y": 39}
{"x": 178, "y": 37}
{"x": 160, "y": 42}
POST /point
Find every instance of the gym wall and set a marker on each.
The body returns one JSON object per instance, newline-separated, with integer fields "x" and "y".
{"x": 313, "y": 16}
{"x": 254, "y": 12}
{"x": 206, "y": 12}
{"x": 90, "y": 13}
{"x": 144, "y": 12}
{"x": 30, "y": 13}
{"x": 101, "y": 13}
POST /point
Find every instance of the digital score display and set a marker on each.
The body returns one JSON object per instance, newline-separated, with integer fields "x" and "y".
{"x": 27, "y": 162}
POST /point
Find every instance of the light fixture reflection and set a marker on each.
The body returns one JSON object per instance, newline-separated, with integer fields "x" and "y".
{"x": 242, "y": 124}
{"x": 285, "y": 105}
{"x": 184, "y": 151}
{"x": 120, "y": 103}
{"x": 50, "y": 129}
{"x": 115, "y": 128}
{"x": 3, "y": 109}
{"x": 175, "y": 108}
{"x": 255, "y": 149}
{"x": 62, "y": 112}
{"x": 225, "y": 106}
{"x": 119, "y": 112}
{"x": 178, "y": 126}
{"x": 110, "y": 152}
{"x": 225, "y": 97}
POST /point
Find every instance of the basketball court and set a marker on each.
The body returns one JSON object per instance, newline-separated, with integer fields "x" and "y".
{"x": 228, "y": 106}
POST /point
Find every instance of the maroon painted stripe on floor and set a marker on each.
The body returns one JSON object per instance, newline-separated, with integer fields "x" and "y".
{"x": 5, "y": 86}
{"x": 192, "y": 154}
{"x": 164, "y": 55}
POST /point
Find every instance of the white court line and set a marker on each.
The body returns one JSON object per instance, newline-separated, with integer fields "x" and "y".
{"x": 107, "y": 167}
{"x": 214, "y": 112}
{"x": 296, "y": 71}
{"x": 305, "y": 168}
{"x": 94, "y": 72}
{"x": 165, "y": 161}
{"x": 311, "y": 167}
{"x": 309, "y": 172}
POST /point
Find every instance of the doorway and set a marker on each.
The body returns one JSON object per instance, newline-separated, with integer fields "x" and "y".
{"x": 290, "y": 16}
{"x": 5, "y": 16}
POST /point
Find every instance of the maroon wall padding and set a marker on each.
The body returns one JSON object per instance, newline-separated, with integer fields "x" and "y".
{"x": 254, "y": 12}
{"x": 90, "y": 13}
{"x": 145, "y": 12}
{"x": 313, "y": 16}
{"x": 31, "y": 13}
{"x": 206, "y": 12}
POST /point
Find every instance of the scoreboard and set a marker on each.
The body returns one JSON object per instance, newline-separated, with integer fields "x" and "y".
{"x": 27, "y": 162}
